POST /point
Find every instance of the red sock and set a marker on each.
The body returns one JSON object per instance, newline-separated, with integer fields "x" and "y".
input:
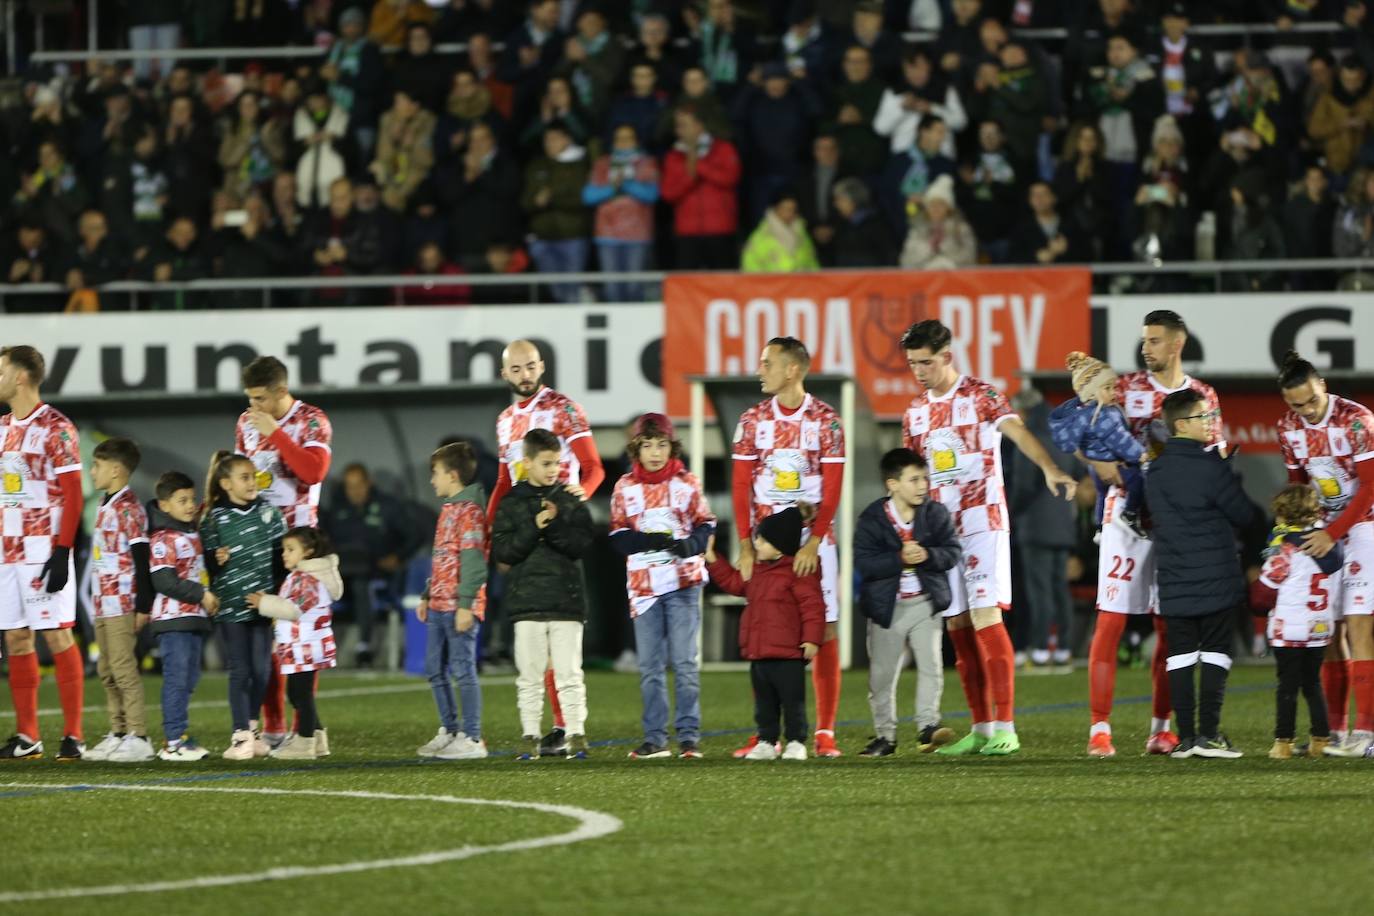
{"x": 825, "y": 678}
{"x": 274, "y": 702}
{"x": 1362, "y": 683}
{"x": 1159, "y": 673}
{"x": 551, "y": 688}
{"x": 70, "y": 673}
{"x": 24, "y": 693}
{"x": 998, "y": 659}
{"x": 1336, "y": 686}
{"x": 1102, "y": 664}
{"x": 971, "y": 673}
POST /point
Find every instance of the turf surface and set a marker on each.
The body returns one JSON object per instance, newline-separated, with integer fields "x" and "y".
{"x": 1047, "y": 831}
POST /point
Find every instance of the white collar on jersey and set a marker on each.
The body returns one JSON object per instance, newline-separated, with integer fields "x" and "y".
{"x": 1326, "y": 417}
{"x": 533, "y": 400}
{"x": 113, "y": 496}
{"x": 777, "y": 408}
{"x": 959, "y": 380}
{"x": 1158, "y": 386}
{"x": 42, "y": 406}
{"x": 295, "y": 404}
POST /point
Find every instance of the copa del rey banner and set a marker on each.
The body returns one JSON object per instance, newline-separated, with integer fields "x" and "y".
{"x": 1002, "y": 322}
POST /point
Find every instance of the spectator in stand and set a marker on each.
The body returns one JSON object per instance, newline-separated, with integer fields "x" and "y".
{"x": 419, "y": 72}
{"x": 814, "y": 193}
{"x": 939, "y": 237}
{"x": 958, "y": 47}
{"x": 924, "y": 91}
{"x": 532, "y": 51}
{"x": 1340, "y": 121}
{"x": 1081, "y": 186}
{"x": 422, "y": 222}
{"x": 1163, "y": 217}
{"x": 503, "y": 259}
{"x": 391, "y": 20}
{"x": 253, "y": 149}
{"x": 404, "y": 151}
{"x": 154, "y": 25}
{"x": 1318, "y": 81}
{"x": 1016, "y": 97}
{"x": 1043, "y": 237}
{"x": 1308, "y": 217}
{"x": 461, "y": 19}
{"x": 110, "y": 133}
{"x": 593, "y": 59}
{"x": 256, "y": 24}
{"x": 552, "y": 198}
{"x": 1250, "y": 111}
{"x": 988, "y": 192}
{"x": 774, "y": 129}
{"x": 862, "y": 237}
{"x": 188, "y": 157}
{"x": 696, "y": 92}
{"x": 321, "y": 126}
{"x": 701, "y": 175}
{"x": 852, "y": 106}
{"x": 656, "y": 49}
{"x": 805, "y": 45}
{"x": 1187, "y": 72}
{"x": 486, "y": 181}
{"x": 176, "y": 258}
{"x": 382, "y": 221}
{"x": 341, "y": 243}
{"x": 97, "y": 258}
{"x": 482, "y": 61}
{"x": 644, "y": 105}
{"x": 866, "y": 31}
{"x": 1250, "y": 234}
{"x": 725, "y": 47}
{"x": 780, "y": 244}
{"x": 559, "y": 105}
{"x": 252, "y": 250}
{"x": 1353, "y": 232}
{"x": 287, "y": 222}
{"x": 623, "y": 188}
{"x": 906, "y": 177}
{"x": 134, "y": 193}
{"x": 430, "y": 260}
{"x": 30, "y": 257}
{"x": 356, "y": 75}
{"x": 50, "y": 122}
{"x": 53, "y": 194}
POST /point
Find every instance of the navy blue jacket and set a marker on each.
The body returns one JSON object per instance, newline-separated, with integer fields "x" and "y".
{"x": 1196, "y": 502}
{"x": 878, "y": 558}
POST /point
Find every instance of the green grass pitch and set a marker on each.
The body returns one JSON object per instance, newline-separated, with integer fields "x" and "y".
{"x": 1047, "y": 831}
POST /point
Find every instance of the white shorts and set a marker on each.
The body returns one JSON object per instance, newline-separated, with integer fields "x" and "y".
{"x": 24, "y": 603}
{"x": 1125, "y": 569}
{"x": 1357, "y": 577}
{"x": 983, "y": 576}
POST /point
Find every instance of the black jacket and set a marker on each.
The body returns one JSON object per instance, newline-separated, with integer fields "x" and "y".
{"x": 544, "y": 581}
{"x": 1196, "y": 502}
{"x": 877, "y": 557}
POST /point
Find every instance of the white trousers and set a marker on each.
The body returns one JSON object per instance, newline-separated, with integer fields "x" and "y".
{"x": 540, "y": 644}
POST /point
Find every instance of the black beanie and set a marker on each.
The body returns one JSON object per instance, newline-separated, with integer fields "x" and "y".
{"x": 783, "y": 530}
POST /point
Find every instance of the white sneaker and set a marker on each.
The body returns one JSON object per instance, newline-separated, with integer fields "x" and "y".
{"x": 463, "y": 748}
{"x": 107, "y": 746}
{"x": 626, "y": 663}
{"x": 441, "y": 740}
{"x": 795, "y": 750}
{"x": 240, "y": 746}
{"x": 1357, "y": 745}
{"x": 132, "y": 749}
{"x": 765, "y": 750}
{"x": 295, "y": 748}
{"x": 185, "y": 749}
{"x": 260, "y": 746}
{"x": 321, "y": 742}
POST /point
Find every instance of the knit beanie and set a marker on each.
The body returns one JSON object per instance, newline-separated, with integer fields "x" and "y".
{"x": 1089, "y": 374}
{"x": 783, "y": 530}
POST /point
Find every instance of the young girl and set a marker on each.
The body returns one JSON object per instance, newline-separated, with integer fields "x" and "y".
{"x": 782, "y": 628}
{"x": 1301, "y": 590}
{"x": 660, "y": 522}
{"x": 305, "y": 638}
{"x": 240, "y": 533}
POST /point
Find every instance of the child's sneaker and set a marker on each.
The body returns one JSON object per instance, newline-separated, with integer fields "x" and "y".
{"x": 529, "y": 748}
{"x": 436, "y": 744}
{"x": 740, "y": 753}
{"x": 647, "y": 751}
{"x": 825, "y": 746}
{"x": 689, "y": 750}
{"x": 260, "y": 746}
{"x": 182, "y": 749}
{"x": 71, "y": 748}
{"x": 1282, "y": 750}
{"x": 463, "y": 748}
{"x": 933, "y": 737}
{"x": 295, "y": 747}
{"x": 763, "y": 750}
{"x": 107, "y": 746}
{"x": 321, "y": 742}
{"x": 21, "y": 747}
{"x": 795, "y": 750}
{"x": 133, "y": 749}
{"x": 240, "y": 746}
{"x": 554, "y": 744}
{"x": 577, "y": 747}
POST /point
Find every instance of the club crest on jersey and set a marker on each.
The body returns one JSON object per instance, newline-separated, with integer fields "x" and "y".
{"x": 811, "y": 435}
{"x": 1340, "y": 444}
{"x": 265, "y": 513}
{"x": 965, "y": 414}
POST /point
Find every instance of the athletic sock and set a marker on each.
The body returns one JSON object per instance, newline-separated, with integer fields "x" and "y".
{"x": 1102, "y": 664}
{"x": 1004, "y": 727}
{"x": 24, "y": 693}
{"x": 1162, "y": 699}
{"x": 551, "y": 688}
{"x": 825, "y": 678}
{"x": 1336, "y": 687}
{"x": 982, "y": 728}
{"x": 1100, "y": 728}
{"x": 999, "y": 668}
{"x": 1158, "y": 725}
{"x": 70, "y": 674}
{"x": 1362, "y": 683}
{"x": 971, "y": 674}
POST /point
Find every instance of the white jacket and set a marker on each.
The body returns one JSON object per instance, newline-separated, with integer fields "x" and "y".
{"x": 319, "y": 165}
{"x": 898, "y": 124}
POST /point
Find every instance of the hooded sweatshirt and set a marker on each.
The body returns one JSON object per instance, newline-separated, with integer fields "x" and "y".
{"x": 303, "y": 609}
{"x": 180, "y": 579}
{"x": 459, "y": 563}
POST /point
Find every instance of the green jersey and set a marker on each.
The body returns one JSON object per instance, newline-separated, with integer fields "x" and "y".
{"x": 252, "y": 534}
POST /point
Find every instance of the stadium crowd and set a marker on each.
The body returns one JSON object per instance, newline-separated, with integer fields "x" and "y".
{"x": 770, "y": 135}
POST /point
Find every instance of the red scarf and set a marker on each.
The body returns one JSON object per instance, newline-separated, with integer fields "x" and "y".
{"x": 671, "y": 469}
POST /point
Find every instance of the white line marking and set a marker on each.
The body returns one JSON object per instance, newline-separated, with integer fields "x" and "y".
{"x": 590, "y": 825}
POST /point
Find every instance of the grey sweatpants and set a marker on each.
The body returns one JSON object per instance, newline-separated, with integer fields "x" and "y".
{"x": 914, "y": 627}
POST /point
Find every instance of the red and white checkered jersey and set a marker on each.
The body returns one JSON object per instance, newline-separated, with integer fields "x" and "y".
{"x": 550, "y": 410}
{"x": 674, "y": 507}
{"x": 1141, "y": 397}
{"x": 120, "y": 522}
{"x": 308, "y": 427}
{"x": 1303, "y": 612}
{"x": 1329, "y": 449}
{"x": 959, "y": 435}
{"x": 462, "y": 526}
{"x": 306, "y": 644}
{"x": 787, "y": 451}
{"x": 179, "y": 551}
{"x": 33, "y": 452}
{"x": 909, "y": 586}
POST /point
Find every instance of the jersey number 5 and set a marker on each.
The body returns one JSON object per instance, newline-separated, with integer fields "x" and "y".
{"x": 1317, "y": 590}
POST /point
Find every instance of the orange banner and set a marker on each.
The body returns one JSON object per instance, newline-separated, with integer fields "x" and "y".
{"x": 1002, "y": 321}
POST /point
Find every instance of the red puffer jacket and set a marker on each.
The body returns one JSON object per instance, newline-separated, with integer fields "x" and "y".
{"x": 784, "y": 610}
{"x": 703, "y": 203}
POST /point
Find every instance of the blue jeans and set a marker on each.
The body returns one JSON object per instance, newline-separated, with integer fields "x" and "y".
{"x": 666, "y": 634}
{"x": 248, "y": 648}
{"x": 448, "y": 651}
{"x": 618, "y": 257}
{"x": 180, "y": 673}
{"x": 565, "y": 256}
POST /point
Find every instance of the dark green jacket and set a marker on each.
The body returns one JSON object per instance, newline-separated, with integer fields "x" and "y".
{"x": 565, "y": 216}
{"x": 545, "y": 579}
{"x": 253, "y": 533}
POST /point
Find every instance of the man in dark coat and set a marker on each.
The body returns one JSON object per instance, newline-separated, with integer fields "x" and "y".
{"x": 1196, "y": 502}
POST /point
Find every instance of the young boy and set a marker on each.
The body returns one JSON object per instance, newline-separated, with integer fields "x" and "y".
{"x": 122, "y": 595}
{"x": 1196, "y": 503}
{"x": 182, "y": 608}
{"x": 455, "y": 602}
{"x": 904, "y": 547}
{"x": 540, "y": 532}
{"x": 781, "y": 630}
